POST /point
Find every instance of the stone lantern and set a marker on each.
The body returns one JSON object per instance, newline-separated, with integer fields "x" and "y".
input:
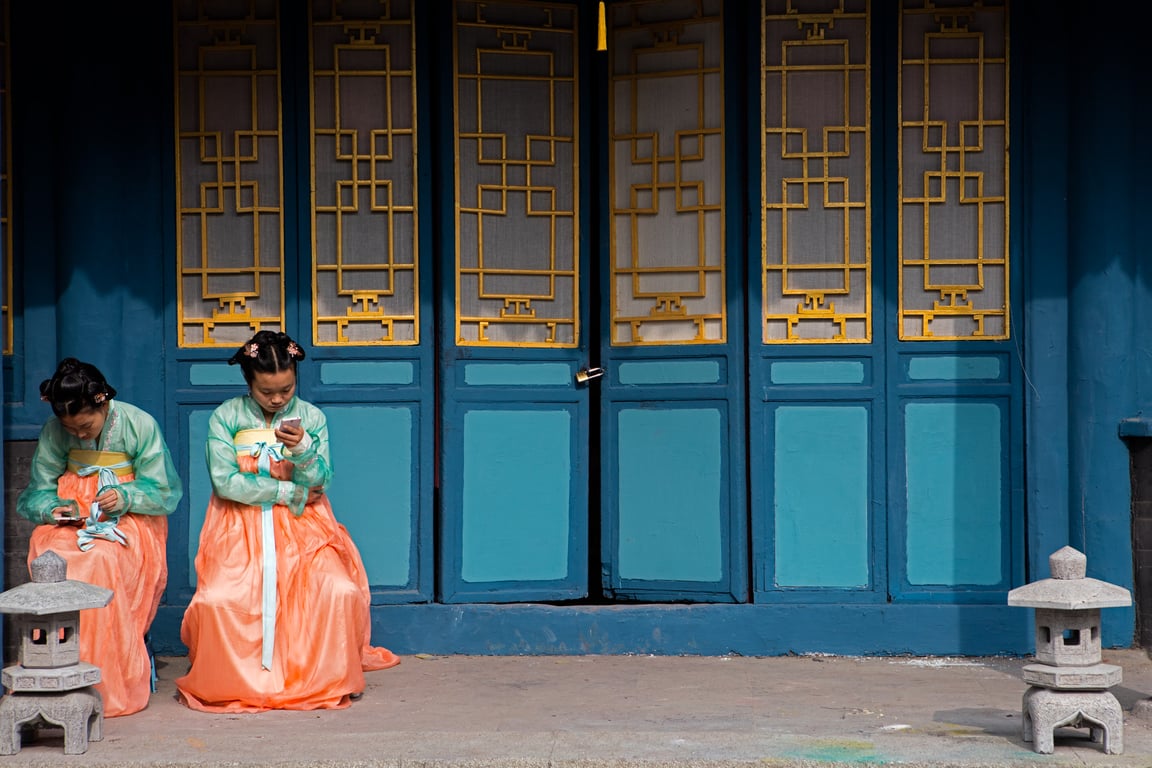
{"x": 1069, "y": 682}
{"x": 50, "y": 685}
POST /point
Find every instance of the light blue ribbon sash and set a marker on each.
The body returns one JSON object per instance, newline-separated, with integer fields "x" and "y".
{"x": 106, "y": 474}
{"x": 94, "y": 527}
{"x": 265, "y": 454}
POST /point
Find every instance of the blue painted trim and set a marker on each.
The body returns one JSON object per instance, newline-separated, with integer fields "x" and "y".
{"x": 702, "y": 630}
{"x": 822, "y": 506}
{"x": 956, "y": 367}
{"x": 818, "y": 371}
{"x": 214, "y": 375}
{"x": 1135, "y": 426}
{"x": 634, "y": 373}
{"x": 517, "y": 374}
{"x": 378, "y": 372}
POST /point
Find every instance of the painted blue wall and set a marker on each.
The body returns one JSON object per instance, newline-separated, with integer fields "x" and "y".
{"x": 90, "y": 122}
{"x": 1108, "y": 346}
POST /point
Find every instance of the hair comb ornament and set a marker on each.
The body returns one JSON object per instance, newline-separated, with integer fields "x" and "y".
{"x": 293, "y": 350}
{"x": 99, "y": 398}
{"x": 252, "y": 349}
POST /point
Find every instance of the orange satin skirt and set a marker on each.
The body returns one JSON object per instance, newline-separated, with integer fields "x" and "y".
{"x": 323, "y": 628}
{"x": 112, "y": 637}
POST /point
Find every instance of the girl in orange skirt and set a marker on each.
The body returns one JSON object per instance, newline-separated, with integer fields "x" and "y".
{"x": 102, "y": 486}
{"x": 280, "y": 617}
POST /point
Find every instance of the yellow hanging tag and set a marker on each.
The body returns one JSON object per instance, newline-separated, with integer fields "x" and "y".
{"x": 602, "y": 31}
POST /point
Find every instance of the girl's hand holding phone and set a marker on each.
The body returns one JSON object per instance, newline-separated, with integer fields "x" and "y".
{"x": 66, "y": 516}
{"x": 290, "y": 432}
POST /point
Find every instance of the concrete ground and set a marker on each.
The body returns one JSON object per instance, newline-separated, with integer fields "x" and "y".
{"x": 623, "y": 711}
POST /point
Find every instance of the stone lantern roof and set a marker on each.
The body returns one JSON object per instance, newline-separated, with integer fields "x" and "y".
{"x": 50, "y": 592}
{"x": 1069, "y": 589}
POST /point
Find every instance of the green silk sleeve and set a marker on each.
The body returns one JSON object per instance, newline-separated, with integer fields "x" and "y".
{"x": 224, "y": 470}
{"x": 156, "y": 488}
{"x": 313, "y": 465}
{"x": 49, "y": 461}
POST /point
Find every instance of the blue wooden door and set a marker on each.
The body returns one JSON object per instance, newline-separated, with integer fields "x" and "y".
{"x": 886, "y": 399}
{"x": 672, "y": 411}
{"x": 592, "y": 391}
{"x": 514, "y": 317}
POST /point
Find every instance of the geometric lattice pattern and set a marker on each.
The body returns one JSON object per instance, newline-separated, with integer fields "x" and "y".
{"x": 667, "y": 172}
{"x": 517, "y": 174}
{"x": 229, "y": 171}
{"x": 816, "y": 172}
{"x": 364, "y": 217}
{"x": 953, "y": 155}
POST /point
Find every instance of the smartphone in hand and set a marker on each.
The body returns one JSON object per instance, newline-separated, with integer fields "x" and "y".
{"x": 292, "y": 422}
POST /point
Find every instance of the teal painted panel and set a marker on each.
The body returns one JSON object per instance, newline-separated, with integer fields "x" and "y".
{"x": 821, "y": 496}
{"x": 954, "y": 368}
{"x": 515, "y": 374}
{"x": 516, "y": 484}
{"x": 215, "y": 375}
{"x": 670, "y": 372}
{"x": 954, "y": 526}
{"x": 199, "y": 489}
{"x": 371, "y": 491}
{"x": 367, "y": 372}
{"x": 671, "y": 494}
{"x": 817, "y": 372}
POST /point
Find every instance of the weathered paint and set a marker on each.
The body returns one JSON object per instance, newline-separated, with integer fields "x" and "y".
{"x": 821, "y": 468}
{"x": 371, "y": 491}
{"x": 954, "y": 368}
{"x": 517, "y": 374}
{"x": 670, "y": 494}
{"x": 955, "y": 525}
{"x": 817, "y": 372}
{"x": 669, "y": 372}
{"x": 517, "y": 465}
{"x": 380, "y": 372}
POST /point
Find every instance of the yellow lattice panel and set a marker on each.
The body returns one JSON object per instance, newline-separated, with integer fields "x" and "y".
{"x": 517, "y": 171}
{"x": 815, "y": 173}
{"x": 364, "y": 217}
{"x": 953, "y": 152}
{"x": 229, "y": 169}
{"x": 666, "y": 167}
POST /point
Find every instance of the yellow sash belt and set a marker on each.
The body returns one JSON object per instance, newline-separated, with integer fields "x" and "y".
{"x": 79, "y": 461}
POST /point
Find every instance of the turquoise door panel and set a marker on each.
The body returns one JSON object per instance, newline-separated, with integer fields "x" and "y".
{"x": 515, "y": 500}
{"x": 672, "y": 505}
{"x": 817, "y": 470}
{"x": 956, "y": 478}
{"x": 823, "y": 489}
{"x": 199, "y": 490}
{"x": 955, "y": 518}
{"x": 373, "y": 486}
{"x": 517, "y": 495}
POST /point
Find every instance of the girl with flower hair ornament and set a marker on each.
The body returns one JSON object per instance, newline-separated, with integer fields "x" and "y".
{"x": 101, "y": 488}
{"x": 280, "y": 617}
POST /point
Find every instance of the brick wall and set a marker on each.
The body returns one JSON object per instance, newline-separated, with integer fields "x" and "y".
{"x": 17, "y": 530}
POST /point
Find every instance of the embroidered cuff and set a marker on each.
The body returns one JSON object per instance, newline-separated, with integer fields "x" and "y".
{"x": 292, "y": 496}
{"x": 301, "y": 447}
